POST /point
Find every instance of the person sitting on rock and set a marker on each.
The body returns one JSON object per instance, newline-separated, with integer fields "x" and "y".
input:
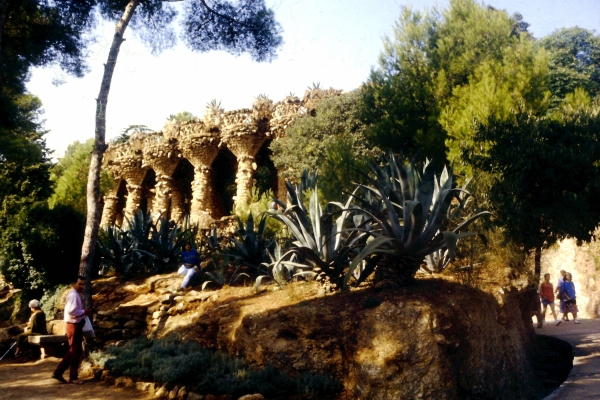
{"x": 35, "y": 326}
{"x": 190, "y": 260}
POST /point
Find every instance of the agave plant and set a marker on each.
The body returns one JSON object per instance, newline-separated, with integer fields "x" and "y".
{"x": 321, "y": 239}
{"x": 283, "y": 267}
{"x": 405, "y": 212}
{"x": 166, "y": 243}
{"x": 251, "y": 247}
{"x": 124, "y": 250}
{"x": 220, "y": 275}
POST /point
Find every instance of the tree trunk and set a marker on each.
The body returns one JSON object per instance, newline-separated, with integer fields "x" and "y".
{"x": 537, "y": 265}
{"x": 93, "y": 187}
{"x": 3, "y": 8}
{"x": 399, "y": 270}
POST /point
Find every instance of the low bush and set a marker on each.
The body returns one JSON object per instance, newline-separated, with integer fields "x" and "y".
{"x": 173, "y": 360}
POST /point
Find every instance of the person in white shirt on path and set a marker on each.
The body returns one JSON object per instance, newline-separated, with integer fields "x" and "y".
{"x": 74, "y": 320}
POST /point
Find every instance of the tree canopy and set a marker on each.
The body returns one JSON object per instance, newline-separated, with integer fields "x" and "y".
{"x": 574, "y": 62}
{"x": 546, "y": 172}
{"x": 331, "y": 143}
{"x": 442, "y": 70}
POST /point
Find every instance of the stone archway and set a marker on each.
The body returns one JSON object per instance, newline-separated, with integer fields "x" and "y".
{"x": 121, "y": 200}
{"x": 148, "y": 191}
{"x": 224, "y": 170}
{"x": 265, "y": 175}
{"x": 181, "y": 196}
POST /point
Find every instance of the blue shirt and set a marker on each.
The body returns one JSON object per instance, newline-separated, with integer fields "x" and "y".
{"x": 569, "y": 289}
{"x": 190, "y": 257}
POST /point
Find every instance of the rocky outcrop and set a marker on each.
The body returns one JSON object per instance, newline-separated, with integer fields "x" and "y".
{"x": 436, "y": 341}
{"x": 433, "y": 340}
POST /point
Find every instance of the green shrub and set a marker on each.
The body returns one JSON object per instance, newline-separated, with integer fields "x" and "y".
{"x": 173, "y": 361}
{"x": 50, "y": 299}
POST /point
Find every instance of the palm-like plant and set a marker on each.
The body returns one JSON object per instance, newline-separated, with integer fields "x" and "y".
{"x": 322, "y": 240}
{"x": 251, "y": 247}
{"x": 166, "y": 243}
{"x": 405, "y": 212}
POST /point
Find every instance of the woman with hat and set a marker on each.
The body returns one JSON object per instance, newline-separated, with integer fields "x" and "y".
{"x": 35, "y": 326}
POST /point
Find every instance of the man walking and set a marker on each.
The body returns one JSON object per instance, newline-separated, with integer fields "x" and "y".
{"x": 74, "y": 320}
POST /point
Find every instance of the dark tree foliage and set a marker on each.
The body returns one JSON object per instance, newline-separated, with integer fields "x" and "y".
{"x": 36, "y": 33}
{"x": 546, "y": 175}
{"x": 39, "y": 246}
{"x": 245, "y": 27}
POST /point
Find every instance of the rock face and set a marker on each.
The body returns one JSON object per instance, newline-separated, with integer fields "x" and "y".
{"x": 584, "y": 263}
{"x": 149, "y": 169}
{"x": 433, "y": 340}
{"x": 438, "y": 340}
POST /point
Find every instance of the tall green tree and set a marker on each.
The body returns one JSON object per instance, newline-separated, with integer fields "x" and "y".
{"x": 442, "y": 70}
{"x": 69, "y": 177}
{"x": 574, "y": 62}
{"x": 400, "y": 106}
{"x": 236, "y": 27}
{"x": 546, "y": 172}
{"x": 32, "y": 34}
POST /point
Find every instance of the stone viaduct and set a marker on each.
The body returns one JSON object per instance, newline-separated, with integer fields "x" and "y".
{"x": 201, "y": 168}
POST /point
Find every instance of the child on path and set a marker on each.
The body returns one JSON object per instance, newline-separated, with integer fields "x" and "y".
{"x": 547, "y": 295}
{"x": 568, "y": 290}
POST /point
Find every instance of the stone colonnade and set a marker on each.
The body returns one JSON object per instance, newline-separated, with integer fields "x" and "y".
{"x": 243, "y": 132}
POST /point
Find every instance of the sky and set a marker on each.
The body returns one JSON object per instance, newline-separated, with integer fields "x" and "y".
{"x": 332, "y": 42}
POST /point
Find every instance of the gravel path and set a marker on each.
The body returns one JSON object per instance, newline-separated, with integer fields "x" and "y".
{"x": 32, "y": 381}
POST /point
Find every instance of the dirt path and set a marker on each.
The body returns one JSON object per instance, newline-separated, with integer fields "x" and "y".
{"x": 32, "y": 381}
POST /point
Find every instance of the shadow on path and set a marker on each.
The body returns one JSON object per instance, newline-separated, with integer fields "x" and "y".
{"x": 32, "y": 381}
{"x": 584, "y": 380}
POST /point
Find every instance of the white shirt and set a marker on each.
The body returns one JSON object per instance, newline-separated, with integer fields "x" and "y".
{"x": 74, "y": 311}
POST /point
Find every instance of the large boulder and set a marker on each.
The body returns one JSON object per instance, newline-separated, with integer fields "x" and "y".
{"x": 434, "y": 340}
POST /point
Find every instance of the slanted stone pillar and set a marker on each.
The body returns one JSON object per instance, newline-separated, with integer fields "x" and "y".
{"x": 134, "y": 176}
{"x": 200, "y": 147}
{"x": 162, "y": 155}
{"x": 244, "y": 138}
{"x": 177, "y": 205}
{"x": 109, "y": 213}
{"x": 124, "y": 161}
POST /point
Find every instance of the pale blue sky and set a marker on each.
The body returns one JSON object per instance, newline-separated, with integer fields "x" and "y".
{"x": 334, "y": 42}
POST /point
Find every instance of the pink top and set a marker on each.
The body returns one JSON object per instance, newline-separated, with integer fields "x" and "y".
{"x": 74, "y": 311}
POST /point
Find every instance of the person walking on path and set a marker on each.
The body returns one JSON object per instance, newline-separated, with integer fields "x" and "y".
{"x": 560, "y": 295}
{"x": 568, "y": 289}
{"x": 35, "y": 326}
{"x": 190, "y": 264}
{"x": 74, "y": 320}
{"x": 547, "y": 295}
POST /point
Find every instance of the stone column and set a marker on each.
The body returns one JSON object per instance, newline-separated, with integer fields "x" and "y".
{"x": 133, "y": 174}
{"x": 109, "y": 213}
{"x": 124, "y": 162}
{"x": 162, "y": 156}
{"x": 177, "y": 206}
{"x": 244, "y": 147}
{"x": 134, "y": 200}
{"x": 200, "y": 147}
